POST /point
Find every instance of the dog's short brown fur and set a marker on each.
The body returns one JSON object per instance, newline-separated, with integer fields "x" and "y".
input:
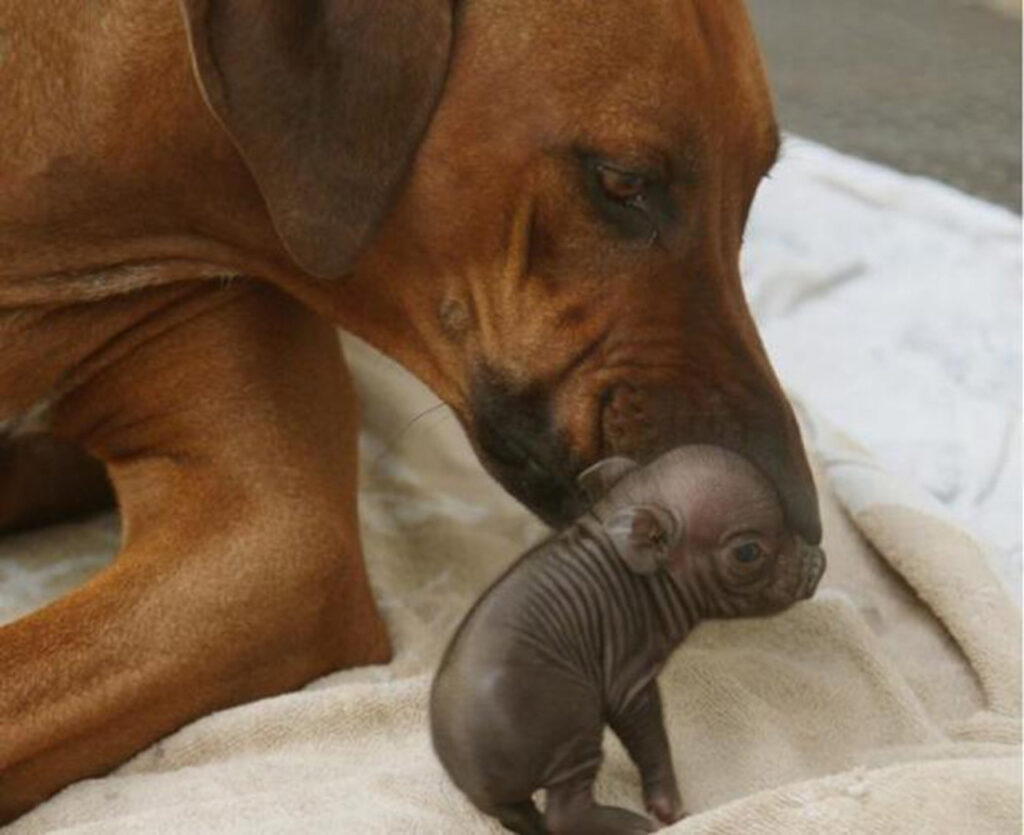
{"x": 190, "y": 193}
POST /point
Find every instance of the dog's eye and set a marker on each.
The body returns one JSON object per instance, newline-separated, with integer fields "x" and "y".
{"x": 627, "y": 199}
{"x": 620, "y": 185}
{"x": 635, "y": 199}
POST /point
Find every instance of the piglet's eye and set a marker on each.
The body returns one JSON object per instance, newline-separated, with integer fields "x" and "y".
{"x": 748, "y": 553}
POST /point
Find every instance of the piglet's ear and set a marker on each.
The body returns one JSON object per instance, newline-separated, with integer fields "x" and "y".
{"x": 599, "y": 478}
{"x": 643, "y": 535}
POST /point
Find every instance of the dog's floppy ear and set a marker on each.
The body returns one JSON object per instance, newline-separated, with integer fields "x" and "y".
{"x": 327, "y": 101}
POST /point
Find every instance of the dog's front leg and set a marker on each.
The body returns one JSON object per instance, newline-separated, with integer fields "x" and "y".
{"x": 228, "y": 426}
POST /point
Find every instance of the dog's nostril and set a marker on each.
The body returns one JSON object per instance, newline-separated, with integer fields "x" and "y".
{"x": 534, "y": 467}
{"x": 502, "y": 450}
{"x": 509, "y": 452}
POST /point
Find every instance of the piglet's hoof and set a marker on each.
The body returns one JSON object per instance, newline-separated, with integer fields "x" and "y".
{"x": 664, "y": 804}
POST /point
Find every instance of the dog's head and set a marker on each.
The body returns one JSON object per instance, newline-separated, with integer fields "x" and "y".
{"x": 560, "y": 259}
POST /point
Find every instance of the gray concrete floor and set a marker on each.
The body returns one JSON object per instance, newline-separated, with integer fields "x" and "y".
{"x": 930, "y": 87}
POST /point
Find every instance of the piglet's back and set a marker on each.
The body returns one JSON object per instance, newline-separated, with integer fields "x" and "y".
{"x": 495, "y": 705}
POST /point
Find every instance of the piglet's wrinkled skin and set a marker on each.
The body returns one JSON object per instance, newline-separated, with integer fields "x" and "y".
{"x": 574, "y": 635}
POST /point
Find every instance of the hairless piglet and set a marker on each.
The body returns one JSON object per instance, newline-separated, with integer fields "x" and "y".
{"x": 576, "y": 632}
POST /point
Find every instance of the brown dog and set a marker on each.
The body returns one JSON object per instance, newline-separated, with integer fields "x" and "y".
{"x": 536, "y": 208}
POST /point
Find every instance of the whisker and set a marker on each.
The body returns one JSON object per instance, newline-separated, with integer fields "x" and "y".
{"x": 389, "y": 447}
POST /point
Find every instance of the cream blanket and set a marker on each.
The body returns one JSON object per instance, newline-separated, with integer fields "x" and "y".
{"x": 888, "y": 703}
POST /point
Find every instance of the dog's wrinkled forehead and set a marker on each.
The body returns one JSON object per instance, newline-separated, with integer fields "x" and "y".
{"x": 640, "y": 71}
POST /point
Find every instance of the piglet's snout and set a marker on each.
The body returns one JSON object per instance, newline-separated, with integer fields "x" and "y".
{"x": 813, "y": 568}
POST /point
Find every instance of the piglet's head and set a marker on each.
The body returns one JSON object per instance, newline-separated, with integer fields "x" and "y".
{"x": 713, "y": 522}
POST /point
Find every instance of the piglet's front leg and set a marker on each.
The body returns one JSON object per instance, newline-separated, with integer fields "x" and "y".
{"x": 641, "y": 727}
